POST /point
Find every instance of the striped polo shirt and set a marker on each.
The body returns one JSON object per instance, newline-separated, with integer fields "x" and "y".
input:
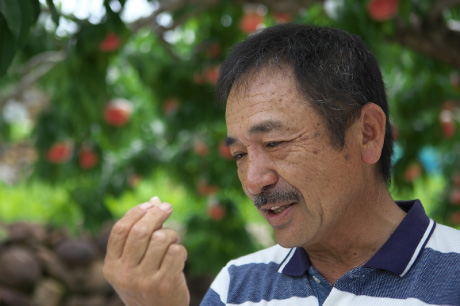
{"x": 418, "y": 265}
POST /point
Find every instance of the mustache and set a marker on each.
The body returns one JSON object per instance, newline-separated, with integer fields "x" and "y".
{"x": 276, "y": 196}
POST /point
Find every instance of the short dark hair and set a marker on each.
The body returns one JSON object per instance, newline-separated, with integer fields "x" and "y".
{"x": 334, "y": 70}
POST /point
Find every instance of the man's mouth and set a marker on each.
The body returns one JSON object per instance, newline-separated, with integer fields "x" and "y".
{"x": 278, "y": 209}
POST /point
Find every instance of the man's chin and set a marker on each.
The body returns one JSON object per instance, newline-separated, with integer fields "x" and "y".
{"x": 287, "y": 242}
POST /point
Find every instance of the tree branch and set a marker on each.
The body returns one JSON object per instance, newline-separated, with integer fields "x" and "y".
{"x": 439, "y": 6}
{"x": 33, "y": 70}
{"x": 430, "y": 37}
{"x": 291, "y": 7}
{"x": 71, "y": 17}
{"x": 171, "y": 7}
{"x": 48, "y": 56}
{"x": 151, "y": 21}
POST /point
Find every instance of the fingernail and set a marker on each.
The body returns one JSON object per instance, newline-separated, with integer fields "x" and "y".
{"x": 165, "y": 206}
{"x": 146, "y": 206}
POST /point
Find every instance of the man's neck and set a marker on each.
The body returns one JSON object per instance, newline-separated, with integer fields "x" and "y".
{"x": 357, "y": 239}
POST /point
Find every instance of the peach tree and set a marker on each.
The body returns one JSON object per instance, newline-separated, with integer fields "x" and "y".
{"x": 129, "y": 97}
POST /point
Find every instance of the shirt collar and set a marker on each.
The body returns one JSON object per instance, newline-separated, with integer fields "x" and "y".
{"x": 398, "y": 253}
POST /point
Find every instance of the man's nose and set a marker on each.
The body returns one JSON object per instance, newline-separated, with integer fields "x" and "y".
{"x": 259, "y": 174}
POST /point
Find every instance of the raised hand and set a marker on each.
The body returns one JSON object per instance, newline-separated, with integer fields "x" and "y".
{"x": 144, "y": 262}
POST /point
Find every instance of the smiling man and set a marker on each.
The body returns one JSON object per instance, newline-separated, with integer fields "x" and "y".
{"x": 307, "y": 123}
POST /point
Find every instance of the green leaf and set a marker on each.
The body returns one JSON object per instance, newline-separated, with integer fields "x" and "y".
{"x": 7, "y": 46}
{"x": 29, "y": 15}
{"x": 11, "y": 11}
{"x": 20, "y": 16}
{"x": 54, "y": 13}
{"x": 17, "y": 17}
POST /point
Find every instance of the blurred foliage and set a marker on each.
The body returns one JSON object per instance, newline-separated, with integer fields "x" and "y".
{"x": 130, "y": 106}
{"x": 16, "y": 19}
{"x": 207, "y": 253}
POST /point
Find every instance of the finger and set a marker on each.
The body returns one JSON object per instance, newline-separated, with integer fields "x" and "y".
{"x": 157, "y": 248}
{"x": 141, "y": 232}
{"x": 121, "y": 230}
{"x": 172, "y": 281}
{"x": 155, "y": 201}
{"x": 174, "y": 261}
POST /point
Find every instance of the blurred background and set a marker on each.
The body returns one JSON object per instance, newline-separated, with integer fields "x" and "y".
{"x": 104, "y": 104}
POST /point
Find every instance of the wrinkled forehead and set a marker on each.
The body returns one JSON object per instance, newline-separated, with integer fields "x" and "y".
{"x": 272, "y": 71}
{"x": 265, "y": 93}
{"x": 264, "y": 84}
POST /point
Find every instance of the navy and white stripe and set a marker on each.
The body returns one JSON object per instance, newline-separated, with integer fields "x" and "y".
{"x": 418, "y": 265}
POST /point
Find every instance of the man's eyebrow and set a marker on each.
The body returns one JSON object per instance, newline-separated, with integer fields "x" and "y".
{"x": 265, "y": 127}
{"x": 259, "y": 128}
{"x": 229, "y": 141}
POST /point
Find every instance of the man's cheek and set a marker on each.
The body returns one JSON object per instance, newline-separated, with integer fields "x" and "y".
{"x": 241, "y": 177}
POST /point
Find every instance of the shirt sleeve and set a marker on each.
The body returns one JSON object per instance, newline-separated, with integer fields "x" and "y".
{"x": 211, "y": 299}
{"x": 218, "y": 292}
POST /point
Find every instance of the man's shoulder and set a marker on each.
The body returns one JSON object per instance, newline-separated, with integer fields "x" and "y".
{"x": 255, "y": 279}
{"x": 275, "y": 254}
{"x": 444, "y": 239}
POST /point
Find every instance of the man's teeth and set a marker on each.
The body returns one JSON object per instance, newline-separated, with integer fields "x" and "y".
{"x": 278, "y": 209}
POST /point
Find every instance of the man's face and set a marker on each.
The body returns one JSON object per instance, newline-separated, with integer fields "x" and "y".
{"x": 286, "y": 164}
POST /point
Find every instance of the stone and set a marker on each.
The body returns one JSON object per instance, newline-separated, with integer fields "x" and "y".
{"x": 48, "y": 292}
{"x": 19, "y": 268}
{"x": 76, "y": 252}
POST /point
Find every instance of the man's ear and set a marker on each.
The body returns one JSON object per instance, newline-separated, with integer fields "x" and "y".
{"x": 373, "y": 122}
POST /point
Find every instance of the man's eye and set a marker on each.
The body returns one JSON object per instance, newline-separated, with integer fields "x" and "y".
{"x": 272, "y": 144}
{"x": 238, "y": 156}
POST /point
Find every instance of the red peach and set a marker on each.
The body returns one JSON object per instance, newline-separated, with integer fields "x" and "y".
{"x": 117, "y": 112}
{"x": 87, "y": 158}
{"x": 200, "y": 147}
{"x": 60, "y": 152}
{"x": 216, "y": 212}
{"x": 204, "y": 189}
{"x": 412, "y": 172}
{"x": 455, "y": 218}
{"x": 212, "y": 75}
{"x": 250, "y": 22}
{"x": 282, "y": 17}
{"x": 213, "y": 50}
{"x": 110, "y": 43}
{"x": 454, "y": 197}
{"x": 170, "y": 106}
{"x": 448, "y": 129}
{"x": 381, "y": 10}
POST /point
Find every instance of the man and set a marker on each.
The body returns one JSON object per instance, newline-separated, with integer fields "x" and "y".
{"x": 307, "y": 123}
